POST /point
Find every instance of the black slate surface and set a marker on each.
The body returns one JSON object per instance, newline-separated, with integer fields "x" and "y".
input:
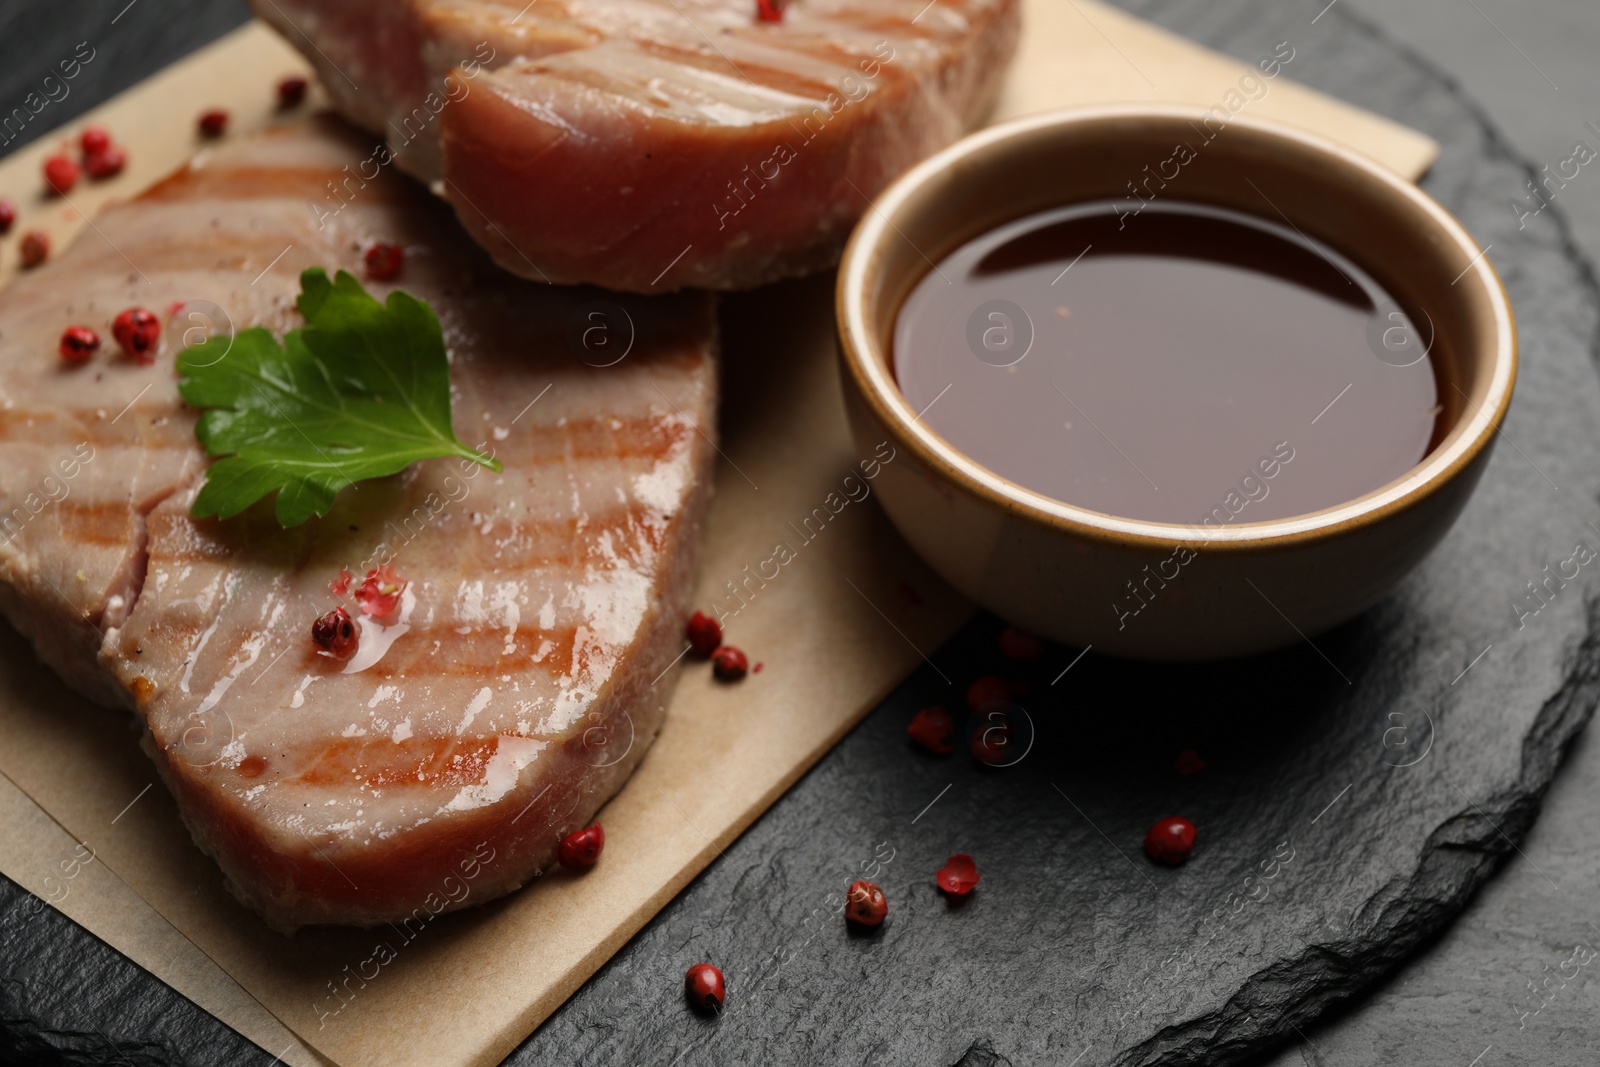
{"x": 1512, "y": 980}
{"x": 66, "y": 997}
{"x": 1392, "y": 781}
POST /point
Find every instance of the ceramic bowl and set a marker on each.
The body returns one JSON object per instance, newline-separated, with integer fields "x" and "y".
{"x": 1154, "y": 590}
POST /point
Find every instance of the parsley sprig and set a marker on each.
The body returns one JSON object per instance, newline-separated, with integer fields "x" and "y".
{"x": 362, "y": 391}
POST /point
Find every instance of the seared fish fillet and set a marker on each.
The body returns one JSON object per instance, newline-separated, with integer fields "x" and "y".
{"x": 649, "y": 145}
{"x": 524, "y": 671}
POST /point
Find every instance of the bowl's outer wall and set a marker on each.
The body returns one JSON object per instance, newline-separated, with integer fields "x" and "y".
{"x": 1082, "y": 591}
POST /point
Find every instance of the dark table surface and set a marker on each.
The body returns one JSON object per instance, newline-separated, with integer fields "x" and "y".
{"x": 1471, "y": 991}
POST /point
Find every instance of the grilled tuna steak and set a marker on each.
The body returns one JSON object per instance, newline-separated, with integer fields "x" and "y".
{"x": 656, "y": 144}
{"x": 522, "y": 674}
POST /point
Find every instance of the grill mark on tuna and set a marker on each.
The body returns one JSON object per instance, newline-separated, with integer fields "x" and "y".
{"x": 513, "y": 544}
{"x": 240, "y": 182}
{"x": 435, "y": 762}
{"x": 643, "y": 435}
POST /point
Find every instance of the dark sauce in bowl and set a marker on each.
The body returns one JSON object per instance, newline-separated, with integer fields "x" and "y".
{"x": 1187, "y": 364}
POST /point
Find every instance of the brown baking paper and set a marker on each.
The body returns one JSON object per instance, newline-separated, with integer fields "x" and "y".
{"x": 84, "y": 823}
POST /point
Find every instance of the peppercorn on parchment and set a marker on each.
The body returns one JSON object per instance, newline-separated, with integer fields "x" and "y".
{"x": 84, "y": 824}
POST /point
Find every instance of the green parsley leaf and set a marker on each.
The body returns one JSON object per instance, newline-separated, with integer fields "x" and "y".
{"x": 363, "y": 391}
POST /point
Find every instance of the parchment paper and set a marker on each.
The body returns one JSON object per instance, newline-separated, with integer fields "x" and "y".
{"x": 836, "y": 630}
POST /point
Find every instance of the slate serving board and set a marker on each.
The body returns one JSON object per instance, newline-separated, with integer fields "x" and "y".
{"x": 1356, "y": 791}
{"x": 1393, "y": 766}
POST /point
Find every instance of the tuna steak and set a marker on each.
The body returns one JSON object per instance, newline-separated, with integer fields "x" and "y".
{"x": 523, "y": 673}
{"x": 656, "y": 144}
